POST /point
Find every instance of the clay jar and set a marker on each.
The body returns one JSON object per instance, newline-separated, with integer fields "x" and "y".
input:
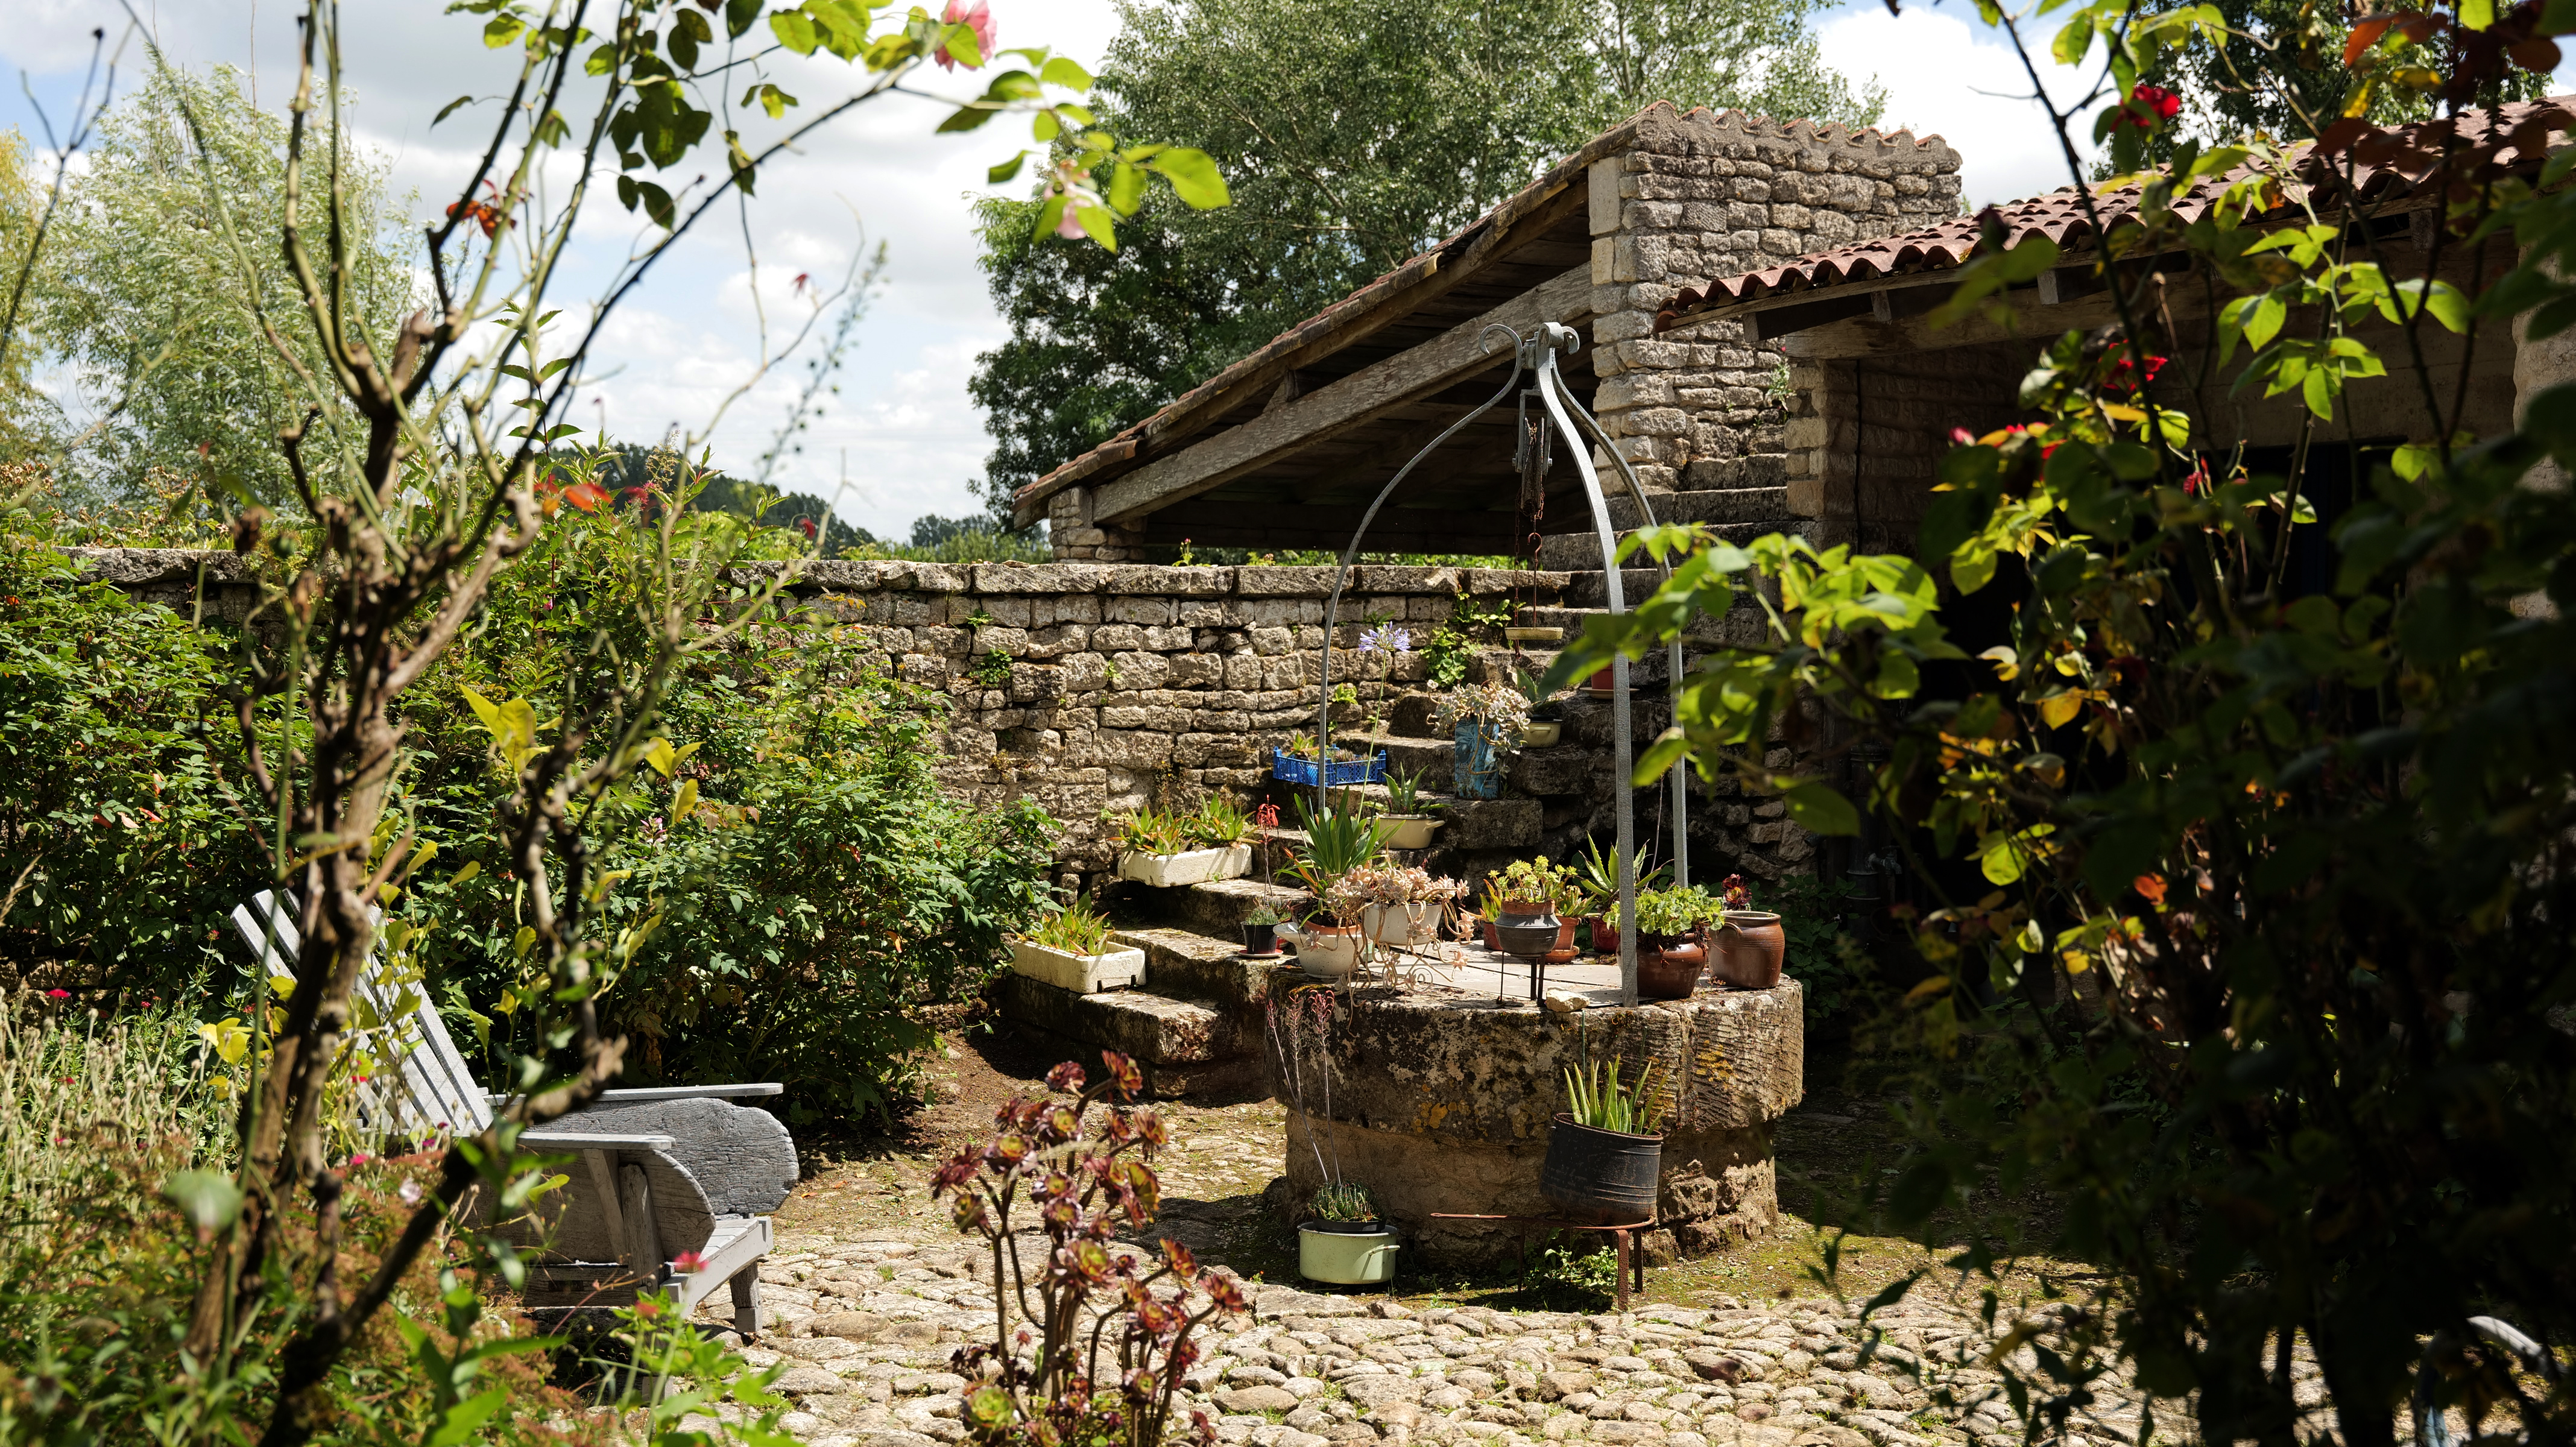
{"x": 1668, "y": 966}
{"x": 1749, "y": 949}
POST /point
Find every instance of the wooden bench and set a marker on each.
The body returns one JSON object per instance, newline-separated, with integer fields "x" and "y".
{"x": 661, "y": 1171}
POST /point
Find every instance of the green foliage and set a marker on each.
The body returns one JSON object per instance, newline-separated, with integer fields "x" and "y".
{"x": 1342, "y": 1201}
{"x": 1077, "y": 929}
{"x": 1831, "y": 967}
{"x": 1536, "y": 881}
{"x": 106, "y": 773}
{"x": 1603, "y": 1102}
{"x": 1668, "y": 913}
{"x": 1453, "y": 642}
{"x": 1597, "y": 874}
{"x": 2262, "y": 968}
{"x": 163, "y": 289}
{"x": 993, "y": 669}
{"x": 1352, "y": 133}
{"x": 1340, "y": 837}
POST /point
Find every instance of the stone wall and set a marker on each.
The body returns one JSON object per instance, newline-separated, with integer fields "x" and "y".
{"x": 1866, "y": 435}
{"x": 1705, "y": 195}
{"x": 1442, "y": 1104}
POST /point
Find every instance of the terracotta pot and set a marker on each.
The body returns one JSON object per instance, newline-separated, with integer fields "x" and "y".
{"x": 1670, "y": 972}
{"x": 1605, "y": 939}
{"x": 1750, "y": 949}
{"x": 1600, "y": 685}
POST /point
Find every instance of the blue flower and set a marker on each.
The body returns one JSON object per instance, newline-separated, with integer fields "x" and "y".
{"x": 1386, "y": 638}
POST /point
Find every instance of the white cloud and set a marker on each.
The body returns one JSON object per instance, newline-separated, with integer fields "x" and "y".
{"x": 1962, "y": 82}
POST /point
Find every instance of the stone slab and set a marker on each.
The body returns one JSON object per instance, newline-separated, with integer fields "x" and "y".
{"x": 1153, "y": 1028}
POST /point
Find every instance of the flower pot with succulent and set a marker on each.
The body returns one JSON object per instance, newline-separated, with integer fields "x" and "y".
{"x": 1168, "y": 851}
{"x": 1261, "y": 931}
{"x": 1546, "y": 724}
{"x": 1537, "y": 907}
{"x": 1603, "y": 1150}
{"x": 1072, "y": 950}
{"x": 1343, "y": 1239}
{"x": 1340, "y": 837}
{"x": 1597, "y": 877}
{"x": 1482, "y": 718}
{"x": 1398, "y": 905}
{"x": 1407, "y": 821}
{"x": 1749, "y": 945}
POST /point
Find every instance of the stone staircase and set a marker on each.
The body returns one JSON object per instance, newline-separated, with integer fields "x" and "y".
{"x": 1196, "y": 1023}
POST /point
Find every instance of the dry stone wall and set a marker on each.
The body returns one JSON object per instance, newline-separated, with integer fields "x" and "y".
{"x": 1089, "y": 687}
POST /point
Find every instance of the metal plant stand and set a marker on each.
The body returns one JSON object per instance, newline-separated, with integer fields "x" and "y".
{"x": 1536, "y": 355}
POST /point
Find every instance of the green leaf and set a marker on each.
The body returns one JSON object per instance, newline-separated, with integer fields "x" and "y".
{"x": 1126, "y": 189}
{"x": 2074, "y": 40}
{"x": 967, "y": 117}
{"x": 1998, "y": 858}
{"x": 208, "y": 1199}
{"x": 2477, "y": 14}
{"x": 1064, "y": 72}
{"x": 1005, "y": 170}
{"x": 962, "y": 45}
{"x": 500, "y": 30}
{"x": 739, "y": 14}
{"x": 450, "y": 108}
{"x": 1096, "y": 224}
{"x": 794, "y": 31}
{"x": 1819, "y": 809}
{"x": 1194, "y": 177}
{"x": 462, "y": 1422}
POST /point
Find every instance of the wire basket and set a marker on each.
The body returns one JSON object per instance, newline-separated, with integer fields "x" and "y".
{"x": 1284, "y": 765}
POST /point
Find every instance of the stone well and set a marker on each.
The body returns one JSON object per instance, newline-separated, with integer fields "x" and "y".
{"x": 1441, "y": 1102}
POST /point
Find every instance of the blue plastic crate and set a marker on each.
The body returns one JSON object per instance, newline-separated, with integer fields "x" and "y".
{"x": 1284, "y": 765}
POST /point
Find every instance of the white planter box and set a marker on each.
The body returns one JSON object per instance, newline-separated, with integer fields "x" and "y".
{"x": 1406, "y": 831}
{"x": 1082, "y": 974}
{"x": 1198, "y": 866}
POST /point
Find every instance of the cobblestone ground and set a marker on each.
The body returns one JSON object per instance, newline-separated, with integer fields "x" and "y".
{"x": 873, "y": 1291}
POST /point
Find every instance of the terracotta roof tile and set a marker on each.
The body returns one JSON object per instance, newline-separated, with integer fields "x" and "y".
{"x": 2394, "y": 165}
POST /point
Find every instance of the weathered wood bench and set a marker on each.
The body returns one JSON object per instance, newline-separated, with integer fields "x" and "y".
{"x": 663, "y": 1171}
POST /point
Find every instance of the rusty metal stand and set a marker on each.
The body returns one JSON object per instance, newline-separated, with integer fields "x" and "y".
{"x": 1623, "y": 1237}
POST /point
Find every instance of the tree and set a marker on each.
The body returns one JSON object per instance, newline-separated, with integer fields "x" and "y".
{"x": 161, "y": 289}
{"x": 2280, "y": 72}
{"x": 1353, "y": 134}
{"x": 2254, "y": 957}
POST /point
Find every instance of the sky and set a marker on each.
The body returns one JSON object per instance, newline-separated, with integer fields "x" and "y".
{"x": 685, "y": 342}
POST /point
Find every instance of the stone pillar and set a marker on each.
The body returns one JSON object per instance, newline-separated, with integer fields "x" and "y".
{"x": 1442, "y": 1105}
{"x": 1075, "y": 538}
{"x": 1705, "y": 195}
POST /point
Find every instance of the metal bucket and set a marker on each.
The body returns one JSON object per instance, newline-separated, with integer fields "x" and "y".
{"x": 1600, "y": 1177}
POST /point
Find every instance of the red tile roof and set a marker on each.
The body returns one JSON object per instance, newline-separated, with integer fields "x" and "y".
{"x": 2375, "y": 165}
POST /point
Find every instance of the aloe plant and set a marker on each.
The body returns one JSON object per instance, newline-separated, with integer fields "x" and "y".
{"x": 1338, "y": 840}
{"x": 1219, "y": 822}
{"x": 1343, "y": 1201}
{"x": 1609, "y": 1105}
{"x": 1598, "y": 875}
{"x": 1077, "y": 929}
{"x": 1404, "y": 795}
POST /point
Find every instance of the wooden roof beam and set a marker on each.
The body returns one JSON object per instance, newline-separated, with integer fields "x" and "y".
{"x": 1328, "y": 411}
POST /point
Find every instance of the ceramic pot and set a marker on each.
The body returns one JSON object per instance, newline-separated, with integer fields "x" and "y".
{"x": 1750, "y": 949}
{"x": 1668, "y": 967}
{"x": 1600, "y": 685}
{"x": 1406, "y": 831}
{"x": 1416, "y": 923}
{"x": 1485, "y": 927}
{"x": 1600, "y": 1177}
{"x": 1475, "y": 768}
{"x": 1605, "y": 936}
{"x": 1541, "y": 735}
{"x": 1346, "y": 1253}
{"x": 1327, "y": 951}
{"x": 1261, "y": 939}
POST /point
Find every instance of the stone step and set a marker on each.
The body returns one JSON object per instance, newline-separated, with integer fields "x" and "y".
{"x": 1154, "y": 1028}
{"x": 1742, "y": 627}
{"x": 1736, "y": 474}
{"x": 1200, "y": 968}
{"x": 1216, "y": 910}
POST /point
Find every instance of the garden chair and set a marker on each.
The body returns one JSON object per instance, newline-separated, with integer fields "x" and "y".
{"x": 665, "y": 1172}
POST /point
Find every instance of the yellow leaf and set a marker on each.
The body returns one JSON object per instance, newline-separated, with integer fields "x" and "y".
{"x": 2007, "y": 663}
{"x": 685, "y": 801}
{"x": 472, "y": 868}
{"x": 508, "y": 1004}
{"x": 282, "y": 986}
{"x": 1930, "y": 987}
{"x": 2122, "y": 412}
{"x": 526, "y": 937}
{"x": 658, "y": 754}
{"x": 2058, "y": 711}
{"x": 230, "y": 1040}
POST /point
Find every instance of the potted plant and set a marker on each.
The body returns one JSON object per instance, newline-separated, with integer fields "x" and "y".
{"x": 1748, "y": 944}
{"x": 1399, "y": 905}
{"x": 1546, "y": 714}
{"x": 1071, "y": 950}
{"x": 1535, "y": 895}
{"x": 1343, "y": 1240}
{"x": 1482, "y": 717}
{"x": 1406, "y": 822}
{"x": 1598, "y": 879}
{"x": 1670, "y": 950}
{"x": 1339, "y": 839}
{"x": 1261, "y": 931}
{"x": 1302, "y": 762}
{"x": 1167, "y": 851}
{"x": 1603, "y": 1151}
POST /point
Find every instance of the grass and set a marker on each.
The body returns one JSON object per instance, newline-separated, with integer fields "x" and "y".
{"x": 85, "y": 1094}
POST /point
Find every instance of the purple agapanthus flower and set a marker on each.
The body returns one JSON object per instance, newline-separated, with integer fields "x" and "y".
{"x": 1386, "y": 638}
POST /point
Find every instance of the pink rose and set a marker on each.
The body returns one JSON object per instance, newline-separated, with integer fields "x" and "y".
{"x": 979, "y": 18}
{"x": 1069, "y": 225}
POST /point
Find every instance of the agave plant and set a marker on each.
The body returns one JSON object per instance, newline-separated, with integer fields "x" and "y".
{"x": 1219, "y": 822}
{"x": 1598, "y": 875}
{"x": 1077, "y": 929}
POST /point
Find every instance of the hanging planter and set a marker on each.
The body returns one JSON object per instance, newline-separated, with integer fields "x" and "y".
{"x": 1534, "y": 635}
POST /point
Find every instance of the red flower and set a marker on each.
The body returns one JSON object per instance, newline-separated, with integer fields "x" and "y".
{"x": 58, "y": 994}
{"x": 2150, "y": 106}
{"x": 690, "y": 1261}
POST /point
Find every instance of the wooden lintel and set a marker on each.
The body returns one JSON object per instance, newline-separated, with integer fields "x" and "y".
{"x": 2030, "y": 320}
{"x": 1772, "y": 324}
{"x": 1328, "y": 411}
{"x": 1270, "y": 526}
